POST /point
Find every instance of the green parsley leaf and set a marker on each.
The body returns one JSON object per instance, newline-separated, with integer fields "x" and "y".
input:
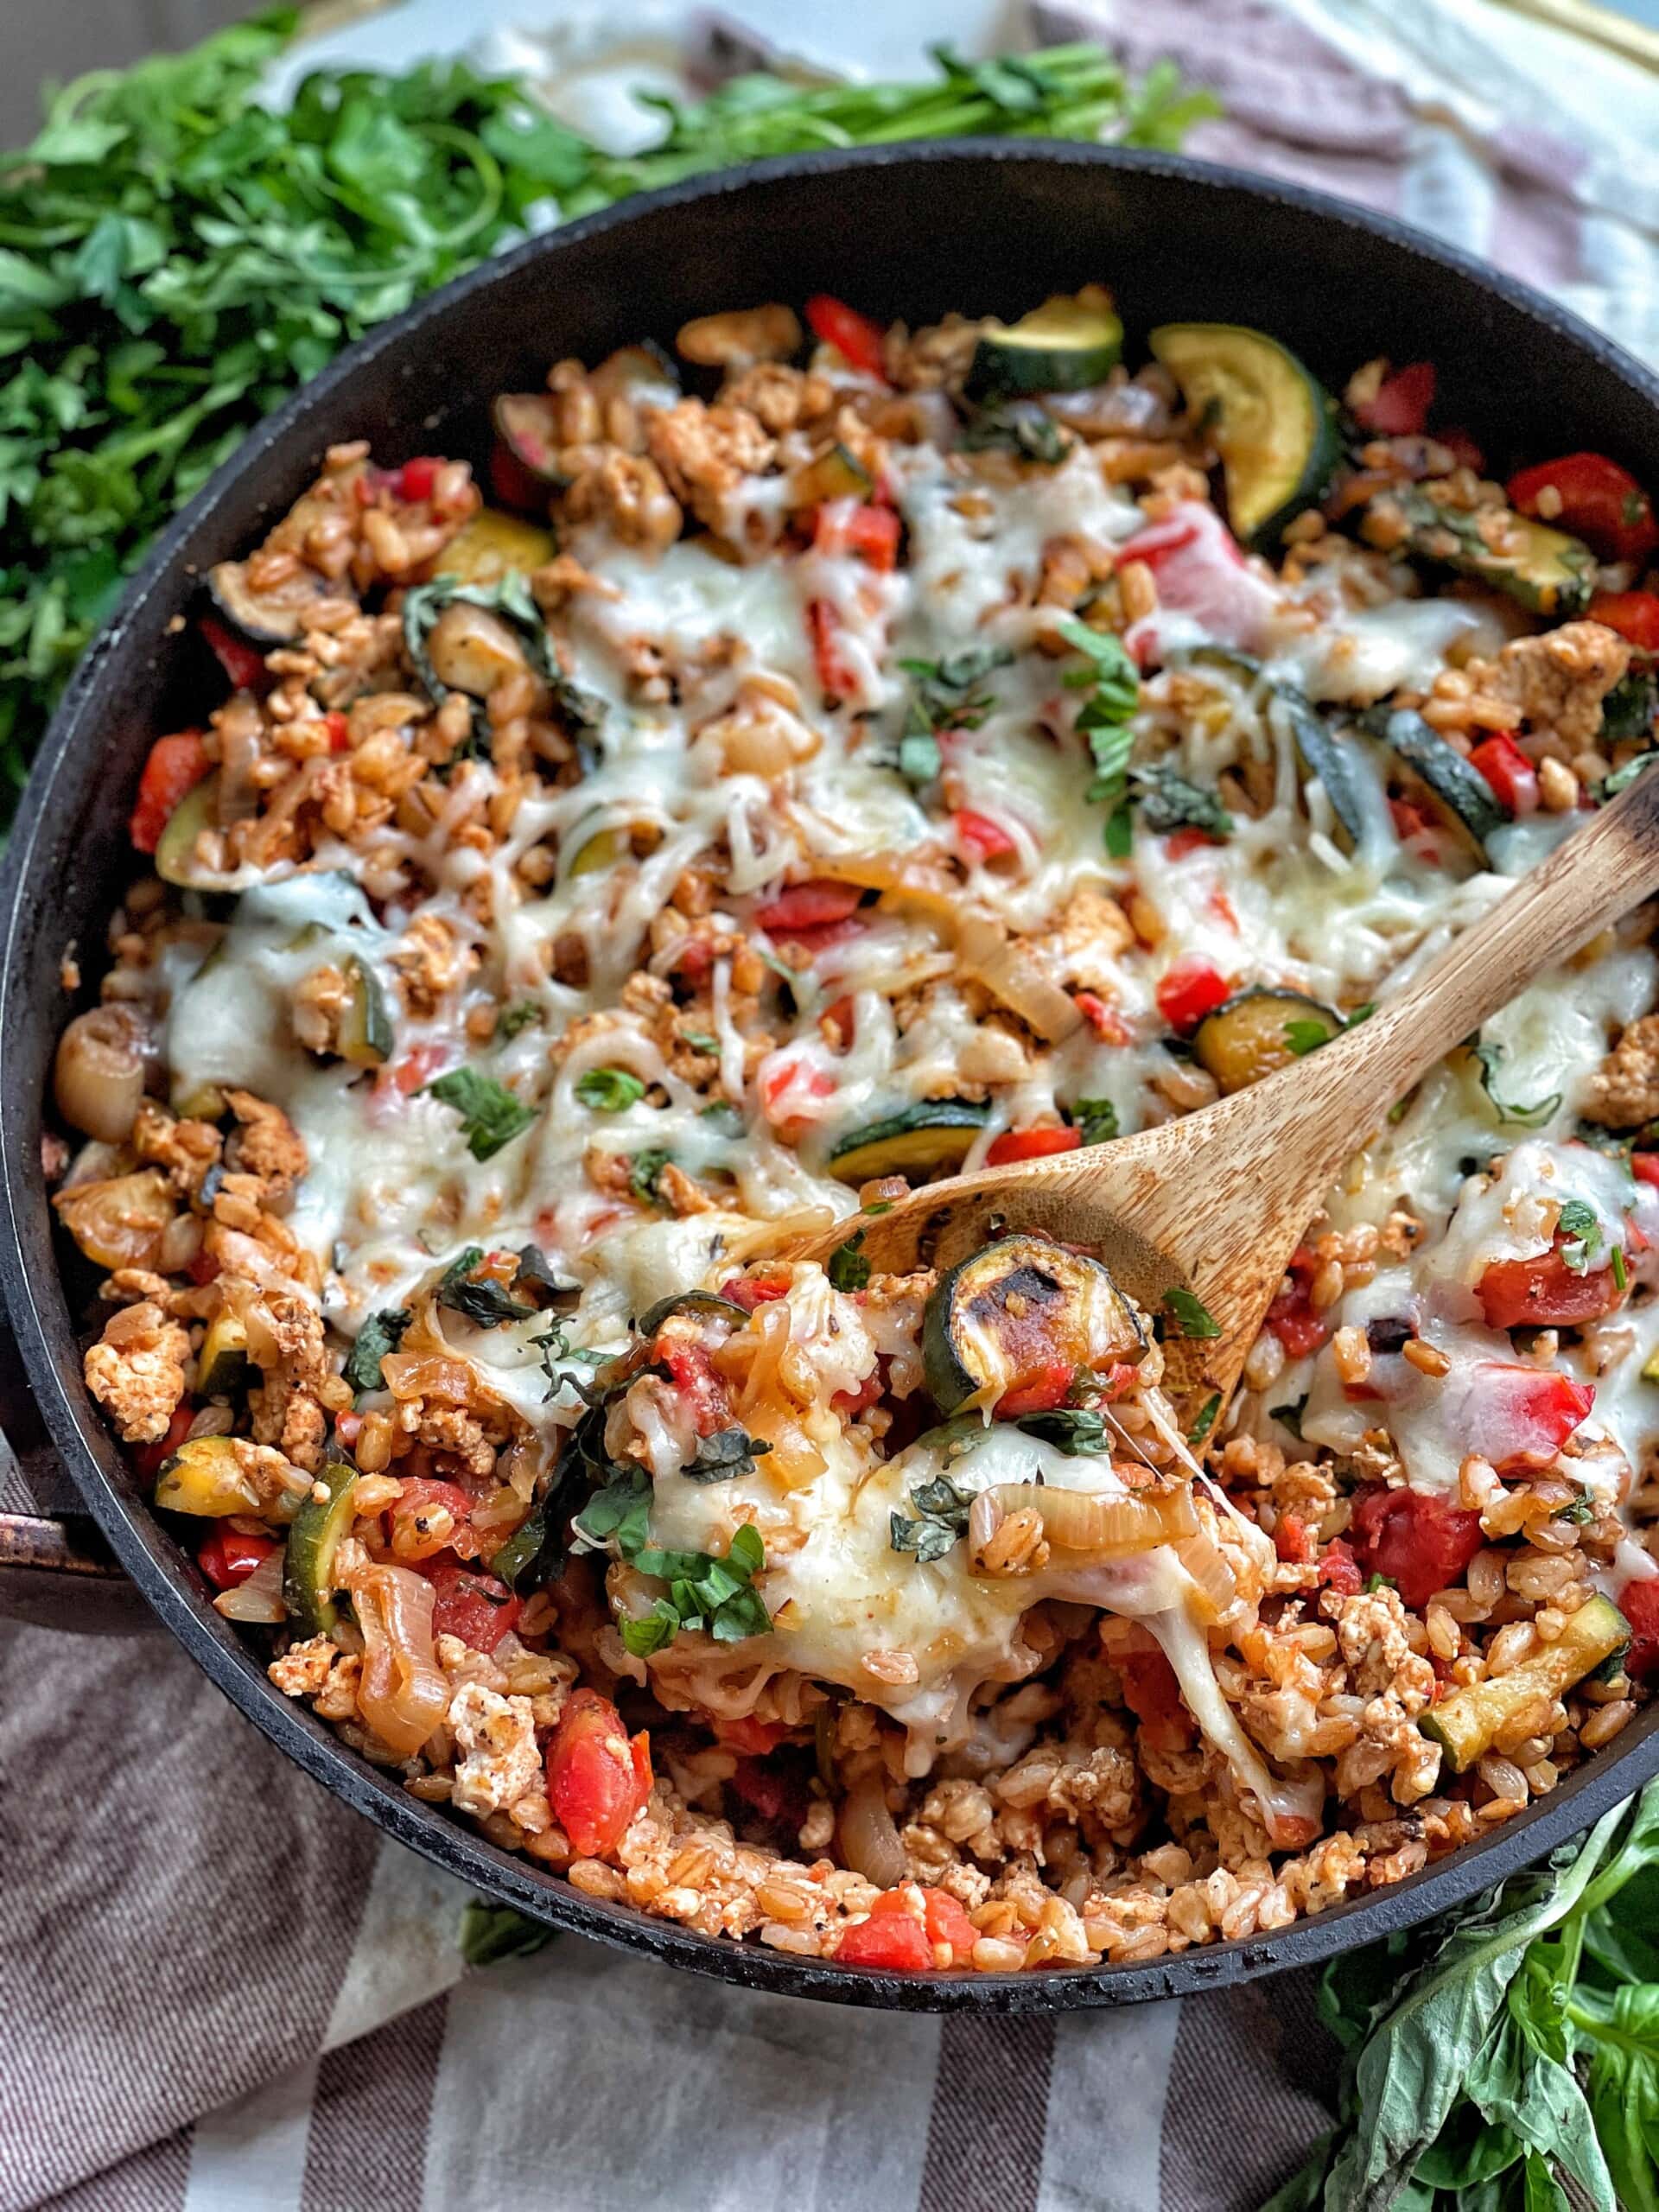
{"x": 1489, "y": 1058}
{"x": 645, "y": 1175}
{"x": 491, "y": 1116}
{"x": 483, "y": 1301}
{"x": 1191, "y": 1315}
{"x": 848, "y": 1268}
{"x": 609, "y": 1090}
{"x": 381, "y": 1333}
{"x": 1095, "y": 1119}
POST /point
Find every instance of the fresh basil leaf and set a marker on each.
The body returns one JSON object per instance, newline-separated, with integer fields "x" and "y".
{"x": 848, "y": 1268}
{"x": 513, "y": 1018}
{"x": 381, "y": 1333}
{"x": 491, "y": 1116}
{"x": 645, "y": 1172}
{"x": 1204, "y": 1420}
{"x": 1167, "y": 801}
{"x": 727, "y": 1453}
{"x": 1095, "y": 1119}
{"x": 1192, "y": 1317}
{"x": 1489, "y": 1058}
{"x": 609, "y": 1090}
{"x": 919, "y": 758}
{"x": 489, "y": 1933}
{"x": 1078, "y": 1431}
{"x": 940, "y": 1512}
{"x": 1305, "y": 1037}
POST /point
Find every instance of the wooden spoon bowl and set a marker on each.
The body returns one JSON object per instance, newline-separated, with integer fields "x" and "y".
{"x": 1213, "y": 1206}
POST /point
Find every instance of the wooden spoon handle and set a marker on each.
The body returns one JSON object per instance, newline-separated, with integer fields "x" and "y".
{"x": 1592, "y": 877}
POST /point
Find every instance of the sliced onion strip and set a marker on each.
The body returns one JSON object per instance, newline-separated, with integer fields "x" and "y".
{"x": 869, "y": 1838}
{"x": 1101, "y": 1528}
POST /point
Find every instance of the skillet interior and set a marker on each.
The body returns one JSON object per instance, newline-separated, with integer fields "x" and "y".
{"x": 987, "y": 227}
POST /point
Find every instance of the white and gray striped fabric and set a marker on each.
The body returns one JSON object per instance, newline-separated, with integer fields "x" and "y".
{"x": 220, "y": 1992}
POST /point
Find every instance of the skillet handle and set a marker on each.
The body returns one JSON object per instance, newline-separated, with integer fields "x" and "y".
{"x": 56, "y": 1571}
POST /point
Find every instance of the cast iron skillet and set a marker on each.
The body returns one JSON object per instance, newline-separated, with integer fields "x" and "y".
{"x": 980, "y": 227}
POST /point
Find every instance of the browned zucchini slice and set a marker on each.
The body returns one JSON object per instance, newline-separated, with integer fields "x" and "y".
{"x": 1021, "y": 1305}
{"x": 1259, "y": 1030}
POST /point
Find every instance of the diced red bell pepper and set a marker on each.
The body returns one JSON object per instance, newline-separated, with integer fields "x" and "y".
{"x": 513, "y": 485}
{"x": 1545, "y": 1293}
{"x": 1644, "y": 1166}
{"x": 1105, "y": 1020}
{"x": 1190, "y": 839}
{"x": 1634, "y": 614}
{"x": 477, "y": 1608}
{"x": 228, "y": 1557}
{"x": 1600, "y": 502}
{"x": 854, "y": 337}
{"x": 1190, "y": 990}
{"x": 415, "y": 1069}
{"x": 1507, "y": 769}
{"x": 1038, "y": 1392}
{"x": 808, "y": 905}
{"x": 1412, "y": 820}
{"x": 750, "y": 1291}
{"x": 340, "y": 731}
{"x": 755, "y": 1739}
{"x": 176, "y": 764}
{"x": 985, "y": 839}
{"x": 1291, "y": 1316}
{"x": 1519, "y": 1417}
{"x": 597, "y": 1779}
{"x": 243, "y": 663}
{"x": 416, "y": 479}
{"x": 855, "y": 526}
{"x": 837, "y": 678}
{"x": 1639, "y": 1602}
{"x": 1031, "y": 1144}
{"x": 695, "y": 1380}
{"x": 807, "y": 1083}
{"x": 1420, "y": 1543}
{"x": 1339, "y": 1570}
{"x": 147, "y": 1458}
{"x": 1399, "y": 409}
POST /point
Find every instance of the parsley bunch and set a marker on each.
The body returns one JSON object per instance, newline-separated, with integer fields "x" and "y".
{"x": 175, "y": 259}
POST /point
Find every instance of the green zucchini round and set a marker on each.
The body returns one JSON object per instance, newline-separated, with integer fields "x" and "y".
{"x": 1461, "y": 792}
{"x": 1323, "y": 754}
{"x": 313, "y": 1540}
{"x": 1068, "y": 344}
{"x": 1022, "y": 1303}
{"x": 688, "y": 1301}
{"x": 932, "y": 1134}
{"x": 1273, "y": 423}
{"x": 1259, "y": 1030}
{"x": 175, "y": 847}
{"x": 365, "y": 1031}
{"x": 222, "y": 1366}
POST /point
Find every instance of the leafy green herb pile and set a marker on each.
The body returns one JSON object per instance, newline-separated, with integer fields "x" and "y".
{"x": 175, "y": 258}
{"x": 1507, "y": 2060}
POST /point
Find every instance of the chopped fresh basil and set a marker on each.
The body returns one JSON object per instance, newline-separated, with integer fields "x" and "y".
{"x": 1026, "y": 431}
{"x": 609, "y": 1090}
{"x": 1192, "y": 1318}
{"x": 728, "y": 1451}
{"x": 919, "y": 758}
{"x": 1580, "y": 1231}
{"x": 490, "y": 1115}
{"x": 554, "y": 1345}
{"x": 381, "y": 1333}
{"x": 646, "y": 1174}
{"x": 848, "y": 1268}
{"x": 1305, "y": 1037}
{"x": 510, "y": 599}
{"x": 1289, "y": 1416}
{"x": 513, "y": 1018}
{"x": 1581, "y": 1510}
{"x": 1167, "y": 801}
{"x": 704, "y": 1592}
{"x": 483, "y": 1301}
{"x": 1078, "y": 1431}
{"x": 1095, "y": 1119}
{"x": 1621, "y": 1276}
{"x": 1376, "y": 1582}
{"x": 944, "y": 694}
{"x": 1204, "y": 1419}
{"x": 1114, "y": 689}
{"x": 940, "y": 1512}
{"x": 1489, "y": 1058}
{"x": 1611, "y": 786}
{"x": 700, "y": 1040}
{"x": 1628, "y": 710}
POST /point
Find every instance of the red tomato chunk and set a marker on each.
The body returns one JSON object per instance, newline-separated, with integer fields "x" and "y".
{"x": 1634, "y": 614}
{"x": 1507, "y": 769}
{"x": 477, "y": 1608}
{"x": 854, "y": 337}
{"x": 808, "y": 906}
{"x": 1420, "y": 1543}
{"x": 1639, "y": 1602}
{"x": 1594, "y": 498}
{"x": 597, "y": 1779}
{"x": 1031, "y": 1144}
{"x": 1190, "y": 990}
{"x": 176, "y": 764}
{"x": 1039, "y": 1392}
{"x": 1399, "y": 408}
{"x": 228, "y": 1557}
{"x": 1545, "y": 1293}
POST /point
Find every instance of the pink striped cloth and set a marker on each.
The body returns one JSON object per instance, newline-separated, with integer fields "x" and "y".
{"x": 219, "y": 1989}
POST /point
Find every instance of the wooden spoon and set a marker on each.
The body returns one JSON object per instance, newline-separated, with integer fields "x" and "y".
{"x": 1213, "y": 1205}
